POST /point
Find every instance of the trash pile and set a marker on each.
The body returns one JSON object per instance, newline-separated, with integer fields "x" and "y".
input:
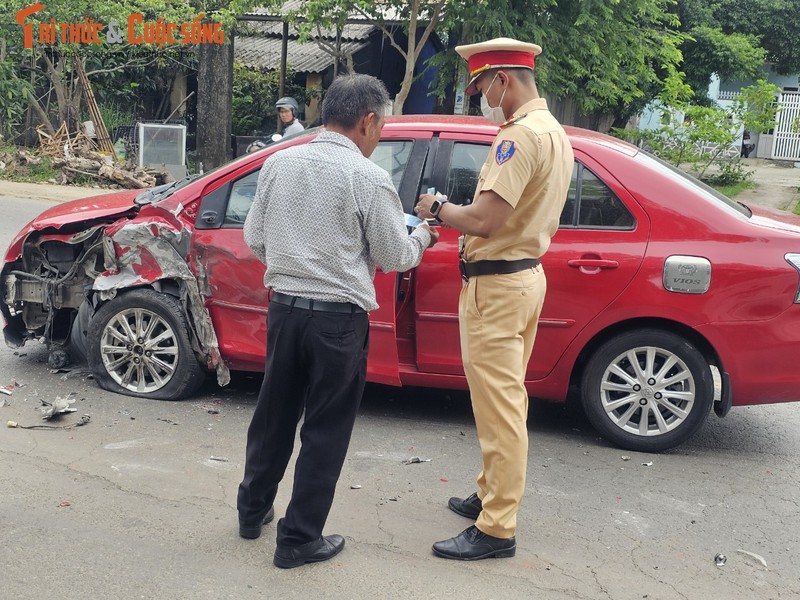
{"x": 18, "y": 163}
{"x": 76, "y": 154}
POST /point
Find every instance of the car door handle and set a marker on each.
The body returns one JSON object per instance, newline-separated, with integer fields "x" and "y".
{"x": 593, "y": 263}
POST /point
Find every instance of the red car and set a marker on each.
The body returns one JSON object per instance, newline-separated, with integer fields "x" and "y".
{"x": 657, "y": 286}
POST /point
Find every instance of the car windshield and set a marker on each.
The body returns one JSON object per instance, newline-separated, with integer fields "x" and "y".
{"x": 160, "y": 192}
{"x": 244, "y": 157}
{"x": 707, "y": 191}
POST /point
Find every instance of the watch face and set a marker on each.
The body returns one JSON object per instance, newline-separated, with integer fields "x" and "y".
{"x": 435, "y": 206}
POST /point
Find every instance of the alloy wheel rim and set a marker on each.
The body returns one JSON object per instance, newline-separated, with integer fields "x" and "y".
{"x": 647, "y": 391}
{"x": 139, "y": 350}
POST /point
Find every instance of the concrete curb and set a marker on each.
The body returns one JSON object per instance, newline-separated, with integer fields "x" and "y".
{"x": 49, "y": 191}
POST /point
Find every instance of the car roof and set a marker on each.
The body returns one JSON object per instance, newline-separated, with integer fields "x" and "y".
{"x": 474, "y": 124}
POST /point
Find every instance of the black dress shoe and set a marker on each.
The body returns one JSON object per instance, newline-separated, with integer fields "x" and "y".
{"x": 252, "y": 531}
{"x": 469, "y": 507}
{"x": 288, "y": 557}
{"x": 473, "y": 544}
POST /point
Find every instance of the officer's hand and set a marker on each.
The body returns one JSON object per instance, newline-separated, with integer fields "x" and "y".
{"x": 422, "y": 209}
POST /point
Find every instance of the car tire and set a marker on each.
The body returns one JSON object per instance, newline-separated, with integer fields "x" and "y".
{"x": 158, "y": 362}
{"x": 651, "y": 373}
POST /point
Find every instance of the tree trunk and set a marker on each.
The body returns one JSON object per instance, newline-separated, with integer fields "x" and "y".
{"x": 214, "y": 111}
{"x": 405, "y": 88}
{"x": 40, "y": 113}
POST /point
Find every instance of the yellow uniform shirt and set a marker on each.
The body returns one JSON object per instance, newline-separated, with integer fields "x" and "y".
{"x": 530, "y": 167}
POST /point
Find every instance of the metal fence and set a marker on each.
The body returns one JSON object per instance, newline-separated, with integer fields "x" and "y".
{"x": 786, "y": 144}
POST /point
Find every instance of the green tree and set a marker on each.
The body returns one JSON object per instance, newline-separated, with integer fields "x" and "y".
{"x": 756, "y": 107}
{"x": 701, "y": 136}
{"x": 254, "y": 96}
{"x": 606, "y": 56}
{"x": 418, "y": 20}
{"x": 732, "y": 56}
{"x": 55, "y": 62}
{"x": 734, "y": 38}
{"x": 775, "y": 23}
{"x": 13, "y": 94}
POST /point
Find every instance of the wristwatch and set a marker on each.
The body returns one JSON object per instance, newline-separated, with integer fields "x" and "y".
{"x": 436, "y": 206}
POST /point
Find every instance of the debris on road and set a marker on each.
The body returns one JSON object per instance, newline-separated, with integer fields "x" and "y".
{"x": 355, "y": 486}
{"x": 756, "y": 557}
{"x": 720, "y": 560}
{"x": 415, "y": 460}
{"x": 85, "y": 419}
{"x": 58, "y": 406}
{"x": 218, "y": 458}
{"x": 648, "y": 464}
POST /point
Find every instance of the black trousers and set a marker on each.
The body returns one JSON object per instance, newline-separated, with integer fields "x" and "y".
{"x": 317, "y": 363}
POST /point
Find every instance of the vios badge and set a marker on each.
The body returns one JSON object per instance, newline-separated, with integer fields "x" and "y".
{"x": 687, "y": 274}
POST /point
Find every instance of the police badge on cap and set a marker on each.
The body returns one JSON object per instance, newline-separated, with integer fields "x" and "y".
{"x": 497, "y": 54}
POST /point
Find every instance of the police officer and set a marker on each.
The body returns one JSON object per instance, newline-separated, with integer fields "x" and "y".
{"x": 515, "y": 211}
{"x": 288, "y": 109}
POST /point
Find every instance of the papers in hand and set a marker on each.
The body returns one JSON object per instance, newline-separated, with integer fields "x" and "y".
{"x": 413, "y": 221}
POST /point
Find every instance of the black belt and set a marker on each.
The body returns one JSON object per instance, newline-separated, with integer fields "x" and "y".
{"x": 308, "y": 304}
{"x": 495, "y": 267}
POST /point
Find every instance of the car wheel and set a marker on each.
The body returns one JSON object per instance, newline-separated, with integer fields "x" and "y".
{"x": 138, "y": 344}
{"x": 647, "y": 390}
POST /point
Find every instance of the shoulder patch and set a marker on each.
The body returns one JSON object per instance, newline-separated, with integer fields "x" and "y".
{"x": 505, "y": 150}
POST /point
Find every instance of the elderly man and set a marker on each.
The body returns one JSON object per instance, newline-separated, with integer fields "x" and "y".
{"x": 323, "y": 216}
{"x": 522, "y": 189}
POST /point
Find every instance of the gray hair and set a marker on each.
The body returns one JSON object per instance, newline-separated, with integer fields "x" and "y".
{"x": 351, "y": 97}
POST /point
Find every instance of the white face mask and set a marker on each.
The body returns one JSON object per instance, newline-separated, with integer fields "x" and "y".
{"x": 494, "y": 114}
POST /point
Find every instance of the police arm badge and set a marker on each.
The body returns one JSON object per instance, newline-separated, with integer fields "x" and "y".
{"x": 505, "y": 150}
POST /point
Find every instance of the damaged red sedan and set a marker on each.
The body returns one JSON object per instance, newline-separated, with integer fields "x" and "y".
{"x": 657, "y": 286}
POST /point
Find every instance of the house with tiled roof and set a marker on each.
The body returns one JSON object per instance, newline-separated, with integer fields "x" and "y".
{"x": 359, "y": 46}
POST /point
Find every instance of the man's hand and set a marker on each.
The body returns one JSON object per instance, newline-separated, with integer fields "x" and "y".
{"x": 434, "y": 234}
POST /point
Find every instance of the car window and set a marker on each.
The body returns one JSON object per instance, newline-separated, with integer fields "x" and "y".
{"x": 241, "y": 198}
{"x": 592, "y": 204}
{"x": 465, "y": 168}
{"x": 392, "y": 156}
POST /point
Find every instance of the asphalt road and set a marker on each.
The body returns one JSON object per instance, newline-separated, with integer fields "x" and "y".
{"x": 140, "y": 502}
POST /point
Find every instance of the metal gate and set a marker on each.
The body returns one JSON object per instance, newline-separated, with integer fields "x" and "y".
{"x": 786, "y": 145}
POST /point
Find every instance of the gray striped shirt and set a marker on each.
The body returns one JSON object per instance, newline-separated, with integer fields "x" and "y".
{"x": 323, "y": 217}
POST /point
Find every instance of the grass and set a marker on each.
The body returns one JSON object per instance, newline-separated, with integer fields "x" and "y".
{"x": 735, "y": 188}
{"x": 796, "y": 201}
{"x": 40, "y": 173}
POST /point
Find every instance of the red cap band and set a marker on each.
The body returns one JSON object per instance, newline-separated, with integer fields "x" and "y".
{"x": 505, "y": 58}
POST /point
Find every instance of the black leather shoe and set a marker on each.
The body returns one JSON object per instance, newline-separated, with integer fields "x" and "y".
{"x": 469, "y": 507}
{"x": 288, "y": 557}
{"x": 473, "y": 544}
{"x": 251, "y": 532}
